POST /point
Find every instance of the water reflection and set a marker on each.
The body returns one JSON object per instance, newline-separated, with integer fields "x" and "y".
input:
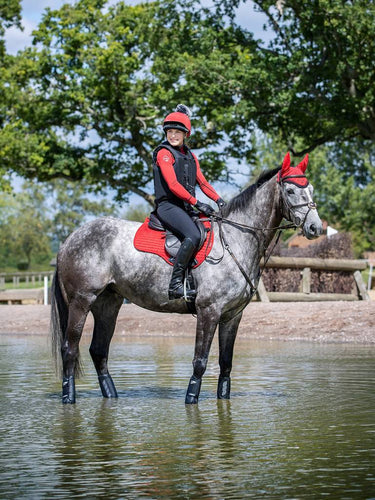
{"x": 300, "y": 424}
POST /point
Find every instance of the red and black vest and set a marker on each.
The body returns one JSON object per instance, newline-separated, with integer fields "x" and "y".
{"x": 186, "y": 173}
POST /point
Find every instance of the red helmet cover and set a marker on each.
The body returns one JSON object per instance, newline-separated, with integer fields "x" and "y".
{"x": 179, "y": 121}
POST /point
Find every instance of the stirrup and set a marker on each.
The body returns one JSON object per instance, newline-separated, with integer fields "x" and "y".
{"x": 181, "y": 292}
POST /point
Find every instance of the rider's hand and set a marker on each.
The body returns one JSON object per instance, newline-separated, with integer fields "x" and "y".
{"x": 220, "y": 203}
{"x": 204, "y": 208}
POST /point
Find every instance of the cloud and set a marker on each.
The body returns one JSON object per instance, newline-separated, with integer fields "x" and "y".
{"x": 16, "y": 40}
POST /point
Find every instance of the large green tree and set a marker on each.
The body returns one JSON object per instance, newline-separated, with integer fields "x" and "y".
{"x": 87, "y": 102}
{"x": 10, "y": 15}
{"x": 317, "y": 71}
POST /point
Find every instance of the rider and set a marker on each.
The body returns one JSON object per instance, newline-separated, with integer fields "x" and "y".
{"x": 176, "y": 173}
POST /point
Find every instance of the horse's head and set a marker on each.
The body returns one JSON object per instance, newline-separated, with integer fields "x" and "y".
{"x": 297, "y": 198}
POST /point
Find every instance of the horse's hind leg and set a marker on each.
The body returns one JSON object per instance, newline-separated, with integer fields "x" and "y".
{"x": 105, "y": 311}
{"x": 227, "y": 337}
{"x": 78, "y": 311}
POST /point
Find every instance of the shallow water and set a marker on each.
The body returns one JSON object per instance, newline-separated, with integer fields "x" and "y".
{"x": 300, "y": 423}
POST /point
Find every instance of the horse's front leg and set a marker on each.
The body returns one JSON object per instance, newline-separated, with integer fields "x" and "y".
{"x": 105, "y": 311}
{"x": 207, "y": 320}
{"x": 227, "y": 336}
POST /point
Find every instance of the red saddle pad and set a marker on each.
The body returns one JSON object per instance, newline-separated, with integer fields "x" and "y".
{"x": 152, "y": 241}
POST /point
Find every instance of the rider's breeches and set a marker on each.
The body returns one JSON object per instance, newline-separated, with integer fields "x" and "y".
{"x": 179, "y": 222}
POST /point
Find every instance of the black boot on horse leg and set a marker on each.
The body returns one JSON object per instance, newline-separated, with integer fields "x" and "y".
{"x": 176, "y": 285}
{"x": 107, "y": 386}
{"x": 68, "y": 390}
{"x": 194, "y": 388}
{"x": 223, "y": 388}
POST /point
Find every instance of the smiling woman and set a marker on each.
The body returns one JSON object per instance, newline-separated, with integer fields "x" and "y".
{"x": 176, "y": 174}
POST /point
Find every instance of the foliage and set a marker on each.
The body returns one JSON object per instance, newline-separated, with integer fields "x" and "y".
{"x": 34, "y": 221}
{"x": 338, "y": 246}
{"x": 87, "y": 102}
{"x": 10, "y": 15}
{"x": 137, "y": 213}
{"x": 24, "y": 228}
{"x": 71, "y": 207}
{"x": 316, "y": 74}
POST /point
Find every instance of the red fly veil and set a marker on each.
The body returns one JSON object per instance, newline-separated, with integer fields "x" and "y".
{"x": 295, "y": 175}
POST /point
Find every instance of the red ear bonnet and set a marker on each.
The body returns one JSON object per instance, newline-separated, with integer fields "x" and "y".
{"x": 295, "y": 175}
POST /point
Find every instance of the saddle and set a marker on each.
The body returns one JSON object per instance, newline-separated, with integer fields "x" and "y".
{"x": 153, "y": 237}
{"x": 172, "y": 243}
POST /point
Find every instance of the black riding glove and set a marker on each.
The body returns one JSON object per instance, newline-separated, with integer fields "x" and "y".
{"x": 220, "y": 203}
{"x": 204, "y": 208}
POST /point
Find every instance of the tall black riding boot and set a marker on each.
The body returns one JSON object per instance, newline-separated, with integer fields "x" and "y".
{"x": 176, "y": 285}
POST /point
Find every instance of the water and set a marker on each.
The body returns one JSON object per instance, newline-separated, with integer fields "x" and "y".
{"x": 300, "y": 424}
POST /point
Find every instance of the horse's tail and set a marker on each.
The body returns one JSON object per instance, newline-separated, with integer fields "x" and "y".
{"x": 59, "y": 320}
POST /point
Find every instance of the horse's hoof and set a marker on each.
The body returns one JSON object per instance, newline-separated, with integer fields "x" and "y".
{"x": 223, "y": 388}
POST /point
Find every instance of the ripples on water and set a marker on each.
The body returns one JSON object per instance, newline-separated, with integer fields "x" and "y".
{"x": 300, "y": 424}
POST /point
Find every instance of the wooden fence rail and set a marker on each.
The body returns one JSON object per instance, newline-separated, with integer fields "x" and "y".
{"x": 308, "y": 264}
{"x": 35, "y": 295}
{"x": 24, "y": 276}
{"x": 305, "y": 264}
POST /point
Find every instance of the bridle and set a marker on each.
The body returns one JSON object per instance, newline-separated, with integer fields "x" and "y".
{"x": 220, "y": 220}
{"x": 290, "y": 208}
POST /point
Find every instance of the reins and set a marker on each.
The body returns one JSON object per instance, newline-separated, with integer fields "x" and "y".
{"x": 225, "y": 245}
{"x": 254, "y": 229}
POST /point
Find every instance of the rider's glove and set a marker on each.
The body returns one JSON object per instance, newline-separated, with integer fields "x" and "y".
{"x": 220, "y": 203}
{"x": 205, "y": 208}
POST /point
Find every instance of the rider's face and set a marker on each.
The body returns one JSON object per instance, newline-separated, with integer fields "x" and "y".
{"x": 175, "y": 137}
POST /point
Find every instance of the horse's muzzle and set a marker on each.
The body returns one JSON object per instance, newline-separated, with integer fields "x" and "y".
{"x": 312, "y": 229}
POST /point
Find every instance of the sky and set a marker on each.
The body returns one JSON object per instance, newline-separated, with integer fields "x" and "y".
{"x": 32, "y": 12}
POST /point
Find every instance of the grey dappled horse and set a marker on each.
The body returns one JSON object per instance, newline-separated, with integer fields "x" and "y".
{"x": 98, "y": 266}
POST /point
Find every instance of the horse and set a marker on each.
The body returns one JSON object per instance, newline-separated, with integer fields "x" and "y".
{"x": 98, "y": 266}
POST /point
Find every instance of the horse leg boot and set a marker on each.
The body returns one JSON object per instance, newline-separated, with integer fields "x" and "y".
{"x": 176, "y": 285}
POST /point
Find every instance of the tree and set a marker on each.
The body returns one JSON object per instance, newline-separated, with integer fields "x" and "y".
{"x": 71, "y": 207}
{"x": 35, "y": 220}
{"x": 316, "y": 73}
{"x": 87, "y": 102}
{"x": 10, "y": 15}
{"x": 24, "y": 228}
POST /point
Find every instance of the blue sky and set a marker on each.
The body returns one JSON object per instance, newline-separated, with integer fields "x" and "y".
{"x": 32, "y": 11}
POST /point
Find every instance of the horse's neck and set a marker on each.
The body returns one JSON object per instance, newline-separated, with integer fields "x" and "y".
{"x": 261, "y": 213}
{"x": 262, "y": 210}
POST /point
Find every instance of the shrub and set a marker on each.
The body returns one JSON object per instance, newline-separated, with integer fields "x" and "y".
{"x": 338, "y": 246}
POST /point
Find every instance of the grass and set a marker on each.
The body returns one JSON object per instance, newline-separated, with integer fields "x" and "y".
{"x": 24, "y": 286}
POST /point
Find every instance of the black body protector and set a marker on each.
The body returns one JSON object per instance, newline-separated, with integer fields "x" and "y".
{"x": 186, "y": 173}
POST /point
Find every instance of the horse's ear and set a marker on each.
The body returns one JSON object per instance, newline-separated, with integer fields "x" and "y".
{"x": 286, "y": 162}
{"x": 303, "y": 164}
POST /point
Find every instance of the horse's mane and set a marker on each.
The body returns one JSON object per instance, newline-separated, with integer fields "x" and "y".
{"x": 240, "y": 201}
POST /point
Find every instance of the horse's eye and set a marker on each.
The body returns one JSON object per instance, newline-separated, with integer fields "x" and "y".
{"x": 290, "y": 191}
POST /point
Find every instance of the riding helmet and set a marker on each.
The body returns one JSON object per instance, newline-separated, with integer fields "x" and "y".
{"x": 179, "y": 119}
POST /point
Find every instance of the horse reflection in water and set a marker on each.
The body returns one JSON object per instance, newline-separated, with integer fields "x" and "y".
{"x": 98, "y": 266}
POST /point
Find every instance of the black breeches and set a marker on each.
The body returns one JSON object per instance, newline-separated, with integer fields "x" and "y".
{"x": 177, "y": 220}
